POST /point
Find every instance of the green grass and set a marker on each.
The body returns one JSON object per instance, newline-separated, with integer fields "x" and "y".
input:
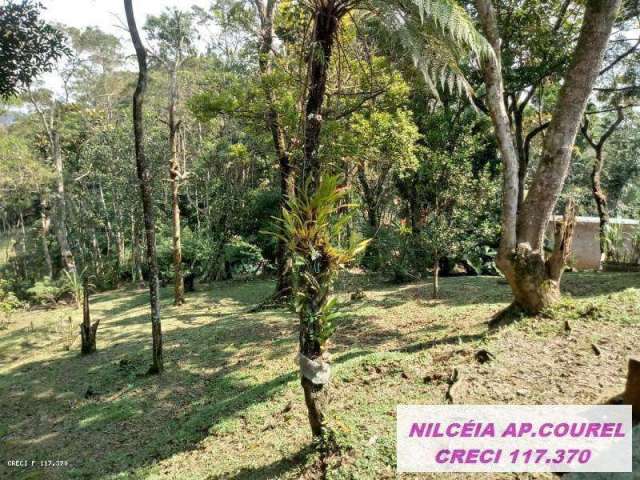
{"x": 229, "y": 405}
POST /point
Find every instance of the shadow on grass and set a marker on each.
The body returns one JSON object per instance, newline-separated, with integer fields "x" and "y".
{"x": 105, "y": 416}
{"x": 450, "y": 340}
{"x": 275, "y": 469}
{"x": 215, "y": 373}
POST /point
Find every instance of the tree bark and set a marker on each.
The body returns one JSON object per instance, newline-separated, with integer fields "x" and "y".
{"x": 596, "y": 173}
{"x": 325, "y": 28}
{"x": 327, "y": 16}
{"x": 66, "y": 254}
{"x": 174, "y": 175}
{"x": 88, "y": 332}
{"x": 535, "y": 280}
{"x": 60, "y": 209}
{"x": 44, "y": 232}
{"x": 601, "y": 203}
{"x": 144, "y": 178}
{"x": 436, "y": 277}
{"x": 266, "y": 11}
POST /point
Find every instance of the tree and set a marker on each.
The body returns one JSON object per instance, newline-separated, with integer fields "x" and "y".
{"x": 50, "y": 123}
{"x": 534, "y": 278}
{"x": 146, "y": 194}
{"x": 266, "y": 12}
{"x": 174, "y": 35}
{"x": 408, "y": 22}
{"x": 28, "y": 45}
{"x": 599, "y": 195}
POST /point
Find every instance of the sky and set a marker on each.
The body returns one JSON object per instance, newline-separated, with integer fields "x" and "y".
{"x": 108, "y": 15}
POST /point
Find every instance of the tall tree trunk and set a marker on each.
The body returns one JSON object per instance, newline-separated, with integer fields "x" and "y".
{"x": 266, "y": 10}
{"x": 68, "y": 262}
{"x": 60, "y": 208}
{"x": 44, "y": 232}
{"x": 106, "y": 214}
{"x": 144, "y": 178}
{"x": 23, "y": 246}
{"x": 325, "y": 28}
{"x": 534, "y": 279}
{"x": 174, "y": 174}
{"x": 327, "y": 16}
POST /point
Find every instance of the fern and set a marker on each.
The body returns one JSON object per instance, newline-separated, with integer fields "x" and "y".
{"x": 436, "y": 35}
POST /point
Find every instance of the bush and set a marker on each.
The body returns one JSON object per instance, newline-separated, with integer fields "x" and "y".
{"x": 45, "y": 292}
{"x": 8, "y": 303}
{"x": 243, "y": 257}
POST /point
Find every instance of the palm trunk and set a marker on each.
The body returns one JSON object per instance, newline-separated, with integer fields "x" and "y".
{"x": 144, "y": 178}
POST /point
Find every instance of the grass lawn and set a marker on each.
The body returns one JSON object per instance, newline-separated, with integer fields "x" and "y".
{"x": 230, "y": 406}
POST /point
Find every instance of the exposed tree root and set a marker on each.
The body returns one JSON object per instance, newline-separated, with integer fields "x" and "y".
{"x": 276, "y": 300}
{"x": 509, "y": 315}
{"x": 454, "y": 383}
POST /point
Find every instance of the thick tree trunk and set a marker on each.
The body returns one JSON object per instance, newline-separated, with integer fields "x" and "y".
{"x": 266, "y": 10}
{"x": 88, "y": 332}
{"x": 535, "y": 280}
{"x": 144, "y": 178}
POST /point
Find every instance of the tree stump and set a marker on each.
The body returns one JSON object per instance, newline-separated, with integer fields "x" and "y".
{"x": 632, "y": 391}
{"x": 87, "y": 331}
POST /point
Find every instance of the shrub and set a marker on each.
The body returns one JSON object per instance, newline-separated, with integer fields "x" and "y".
{"x": 45, "y": 292}
{"x": 8, "y": 304}
{"x": 243, "y": 257}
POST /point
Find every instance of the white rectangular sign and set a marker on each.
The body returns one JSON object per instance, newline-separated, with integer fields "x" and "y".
{"x": 514, "y": 438}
